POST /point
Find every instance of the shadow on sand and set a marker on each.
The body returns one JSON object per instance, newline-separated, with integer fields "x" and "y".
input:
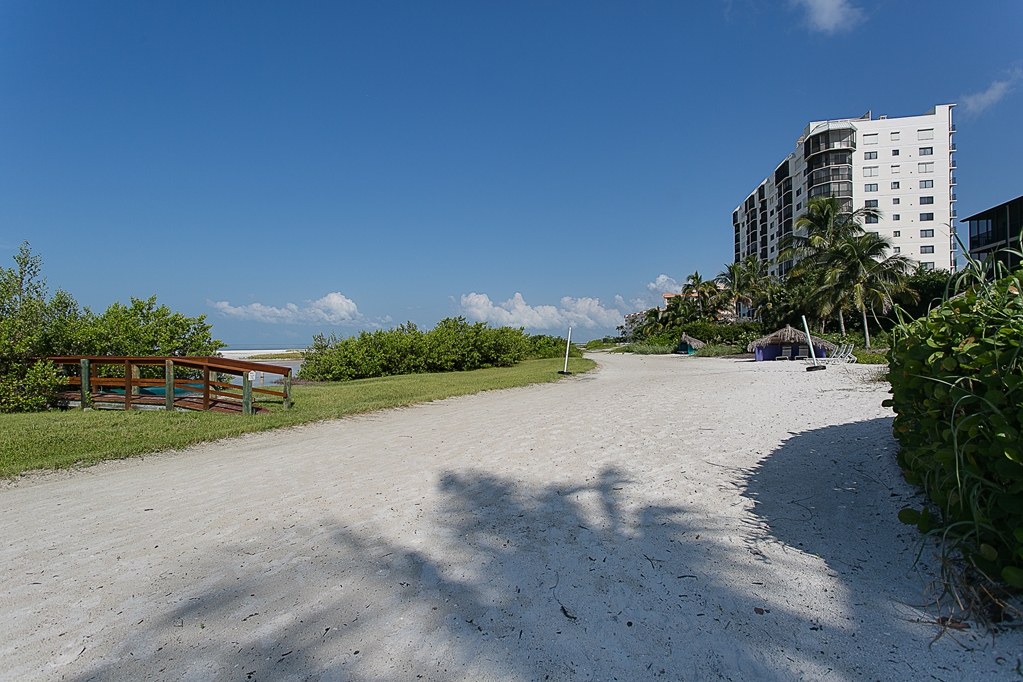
{"x": 517, "y": 582}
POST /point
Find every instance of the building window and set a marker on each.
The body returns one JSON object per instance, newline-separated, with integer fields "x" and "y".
{"x": 869, "y": 155}
{"x": 925, "y": 167}
{"x": 871, "y": 219}
{"x": 926, "y": 151}
{"x": 927, "y": 266}
{"x": 896, "y": 233}
{"x": 870, "y": 171}
{"x": 799, "y": 190}
{"x": 895, "y": 136}
{"x": 870, "y": 188}
{"x": 895, "y": 152}
{"x": 926, "y": 217}
{"x": 896, "y": 249}
{"x": 896, "y": 169}
{"x": 870, "y": 203}
{"x": 926, "y": 249}
{"x": 926, "y": 234}
{"x": 926, "y": 200}
{"x": 896, "y": 201}
{"x": 799, "y": 206}
{"x": 926, "y": 184}
{"x": 925, "y": 134}
{"x": 895, "y": 185}
{"x": 870, "y": 138}
{"x": 896, "y": 217}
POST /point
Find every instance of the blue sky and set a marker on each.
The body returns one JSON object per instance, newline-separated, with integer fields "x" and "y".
{"x": 296, "y": 168}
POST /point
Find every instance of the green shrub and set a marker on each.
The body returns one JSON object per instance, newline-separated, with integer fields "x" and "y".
{"x": 957, "y": 388}
{"x": 739, "y": 334}
{"x": 33, "y": 392}
{"x": 545, "y": 346}
{"x": 453, "y": 345}
{"x": 717, "y": 350}
{"x": 867, "y": 358}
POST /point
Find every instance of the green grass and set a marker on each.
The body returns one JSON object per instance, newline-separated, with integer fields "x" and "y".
{"x": 54, "y": 440}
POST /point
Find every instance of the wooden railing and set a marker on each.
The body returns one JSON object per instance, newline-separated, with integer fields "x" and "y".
{"x": 215, "y": 394}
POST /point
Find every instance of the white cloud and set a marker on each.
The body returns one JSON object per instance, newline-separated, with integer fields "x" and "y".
{"x": 979, "y": 102}
{"x": 515, "y": 312}
{"x": 664, "y": 285}
{"x": 829, "y": 16}
{"x": 332, "y": 309}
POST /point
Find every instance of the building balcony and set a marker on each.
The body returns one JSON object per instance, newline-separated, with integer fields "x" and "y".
{"x": 952, "y": 164}
{"x": 952, "y": 147}
{"x": 953, "y": 197}
{"x": 952, "y": 181}
{"x": 952, "y": 128}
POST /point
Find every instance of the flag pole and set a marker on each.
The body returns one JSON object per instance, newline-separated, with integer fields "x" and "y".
{"x": 568, "y": 344}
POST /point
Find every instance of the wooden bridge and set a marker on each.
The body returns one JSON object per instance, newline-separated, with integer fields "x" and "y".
{"x": 85, "y": 387}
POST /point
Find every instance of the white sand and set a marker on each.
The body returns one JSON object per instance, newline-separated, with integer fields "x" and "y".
{"x": 625, "y": 524}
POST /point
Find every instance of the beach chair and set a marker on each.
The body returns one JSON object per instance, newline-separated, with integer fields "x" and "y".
{"x": 836, "y": 357}
{"x": 786, "y": 353}
{"x": 802, "y": 353}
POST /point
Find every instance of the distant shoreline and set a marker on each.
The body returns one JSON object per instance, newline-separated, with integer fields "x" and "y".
{"x": 243, "y": 354}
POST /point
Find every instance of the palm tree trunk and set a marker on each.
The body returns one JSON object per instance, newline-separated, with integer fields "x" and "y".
{"x": 866, "y": 330}
{"x": 841, "y": 321}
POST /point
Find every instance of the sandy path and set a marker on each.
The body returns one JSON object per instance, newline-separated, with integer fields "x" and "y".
{"x": 627, "y": 524}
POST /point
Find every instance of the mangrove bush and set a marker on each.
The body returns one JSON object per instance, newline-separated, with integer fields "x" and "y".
{"x": 453, "y": 345}
{"x": 957, "y": 390}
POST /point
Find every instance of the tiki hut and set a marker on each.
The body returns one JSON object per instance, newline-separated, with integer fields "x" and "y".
{"x": 789, "y": 344}
{"x": 687, "y": 345}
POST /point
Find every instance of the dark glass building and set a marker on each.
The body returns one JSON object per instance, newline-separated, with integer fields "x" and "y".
{"x": 995, "y": 230}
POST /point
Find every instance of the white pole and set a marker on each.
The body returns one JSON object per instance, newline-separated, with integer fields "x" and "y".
{"x": 568, "y": 344}
{"x": 809, "y": 342}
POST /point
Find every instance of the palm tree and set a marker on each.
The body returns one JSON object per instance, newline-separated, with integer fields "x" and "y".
{"x": 760, "y": 284}
{"x": 677, "y": 312}
{"x": 702, "y": 291}
{"x": 651, "y": 323}
{"x": 736, "y": 286}
{"x": 859, "y": 271}
{"x": 826, "y": 225}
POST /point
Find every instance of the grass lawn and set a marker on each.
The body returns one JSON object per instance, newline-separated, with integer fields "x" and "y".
{"x": 53, "y": 440}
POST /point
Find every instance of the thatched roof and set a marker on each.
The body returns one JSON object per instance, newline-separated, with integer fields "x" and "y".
{"x": 790, "y": 335}
{"x": 693, "y": 343}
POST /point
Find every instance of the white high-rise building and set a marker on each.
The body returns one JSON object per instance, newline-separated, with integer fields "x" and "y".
{"x": 904, "y": 167}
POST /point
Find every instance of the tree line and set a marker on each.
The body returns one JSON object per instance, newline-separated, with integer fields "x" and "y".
{"x": 839, "y": 270}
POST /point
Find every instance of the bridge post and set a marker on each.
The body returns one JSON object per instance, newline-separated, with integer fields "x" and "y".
{"x": 168, "y": 384}
{"x": 287, "y": 391}
{"x": 86, "y": 384}
{"x": 247, "y": 393}
{"x": 205, "y": 387}
{"x": 127, "y": 384}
